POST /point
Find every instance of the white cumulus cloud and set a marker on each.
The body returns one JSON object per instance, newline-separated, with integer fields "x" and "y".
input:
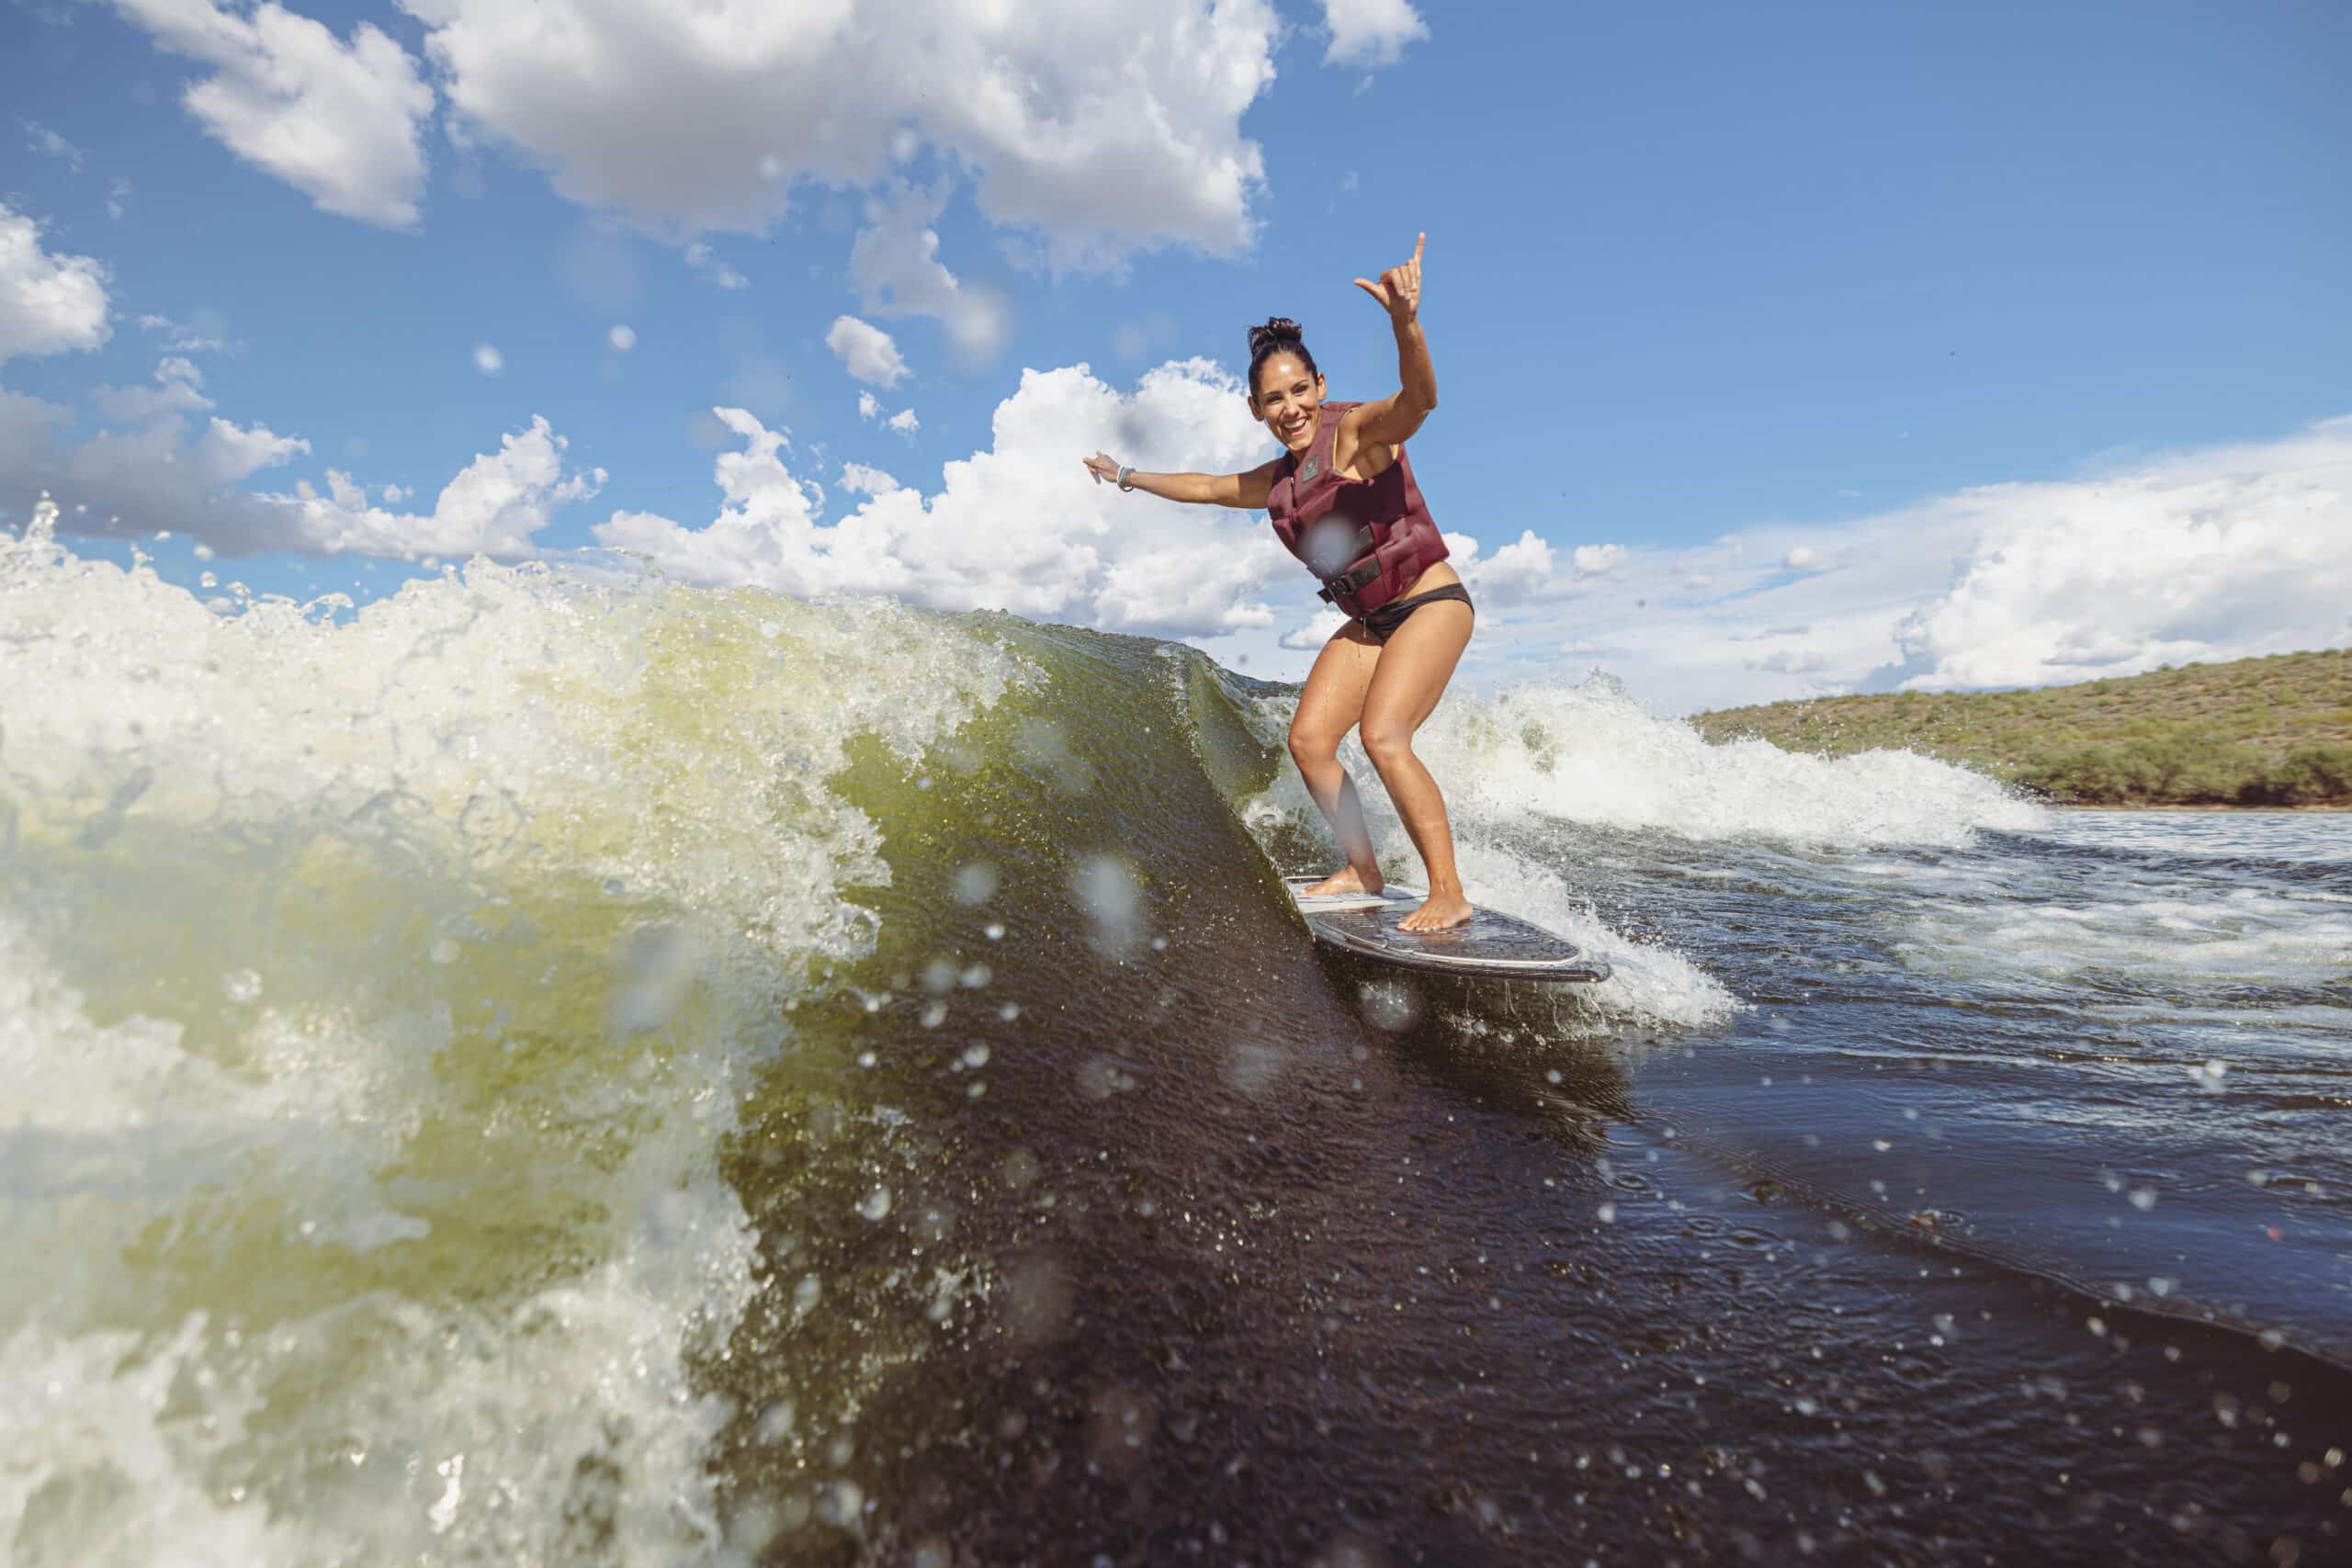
{"x": 1367, "y": 33}
{"x": 905, "y": 422}
{"x": 340, "y": 123}
{"x": 2207, "y": 555}
{"x": 705, "y": 260}
{"x": 39, "y": 139}
{"x": 1100, "y": 125}
{"x": 159, "y": 474}
{"x": 895, "y": 262}
{"x": 1510, "y": 575}
{"x": 1315, "y": 632}
{"x": 866, "y": 351}
{"x": 179, "y": 388}
{"x": 1591, "y": 560}
{"x": 1020, "y": 526}
{"x": 493, "y": 507}
{"x": 859, "y": 480}
{"x": 207, "y": 334}
{"x": 868, "y": 405}
{"x": 2203, "y": 556}
{"x": 48, "y": 303}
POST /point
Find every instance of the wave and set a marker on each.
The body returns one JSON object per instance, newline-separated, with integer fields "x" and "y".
{"x": 390, "y": 996}
{"x": 377, "y": 992}
{"x": 1592, "y": 754}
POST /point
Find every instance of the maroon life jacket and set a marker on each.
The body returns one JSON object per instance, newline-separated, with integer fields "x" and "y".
{"x": 1367, "y": 539}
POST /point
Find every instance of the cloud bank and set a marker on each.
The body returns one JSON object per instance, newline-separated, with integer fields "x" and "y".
{"x": 1020, "y": 526}
{"x": 2206, "y": 555}
{"x": 1100, "y": 125}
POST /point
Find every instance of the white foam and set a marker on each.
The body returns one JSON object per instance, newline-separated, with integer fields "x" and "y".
{"x": 2240, "y": 933}
{"x": 1646, "y": 980}
{"x": 1589, "y": 754}
{"x": 376, "y": 992}
{"x": 1592, "y": 754}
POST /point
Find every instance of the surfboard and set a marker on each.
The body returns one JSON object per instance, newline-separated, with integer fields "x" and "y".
{"x": 1494, "y": 945}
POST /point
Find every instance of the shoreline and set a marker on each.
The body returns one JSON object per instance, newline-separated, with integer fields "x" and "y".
{"x": 2324, "y": 806}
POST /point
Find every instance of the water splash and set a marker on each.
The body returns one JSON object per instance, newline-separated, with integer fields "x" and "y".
{"x": 376, "y": 993}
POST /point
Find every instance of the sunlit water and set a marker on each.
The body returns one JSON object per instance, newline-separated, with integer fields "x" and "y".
{"x": 565, "y": 1069}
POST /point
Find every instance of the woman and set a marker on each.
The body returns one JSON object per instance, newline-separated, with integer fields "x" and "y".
{"x": 1343, "y": 498}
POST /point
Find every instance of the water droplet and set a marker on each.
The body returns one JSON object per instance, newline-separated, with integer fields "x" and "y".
{"x": 1388, "y": 1004}
{"x": 876, "y": 1204}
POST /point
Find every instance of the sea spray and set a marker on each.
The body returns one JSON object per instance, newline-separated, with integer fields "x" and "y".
{"x": 590, "y": 1070}
{"x": 1590, "y": 753}
{"x": 377, "y": 993}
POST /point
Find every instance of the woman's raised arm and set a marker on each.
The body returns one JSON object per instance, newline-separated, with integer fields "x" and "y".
{"x": 1394, "y": 419}
{"x": 1247, "y": 489}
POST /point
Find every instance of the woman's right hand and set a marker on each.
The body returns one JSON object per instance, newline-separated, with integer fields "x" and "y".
{"x": 1104, "y": 469}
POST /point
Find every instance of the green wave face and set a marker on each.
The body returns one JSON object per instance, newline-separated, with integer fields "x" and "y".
{"x": 379, "y": 999}
{"x": 534, "y": 1066}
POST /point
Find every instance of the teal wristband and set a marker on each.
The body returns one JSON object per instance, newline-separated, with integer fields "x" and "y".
{"x": 1125, "y": 478}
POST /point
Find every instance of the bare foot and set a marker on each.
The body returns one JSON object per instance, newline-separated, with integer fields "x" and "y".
{"x": 1347, "y": 880}
{"x": 1443, "y": 911}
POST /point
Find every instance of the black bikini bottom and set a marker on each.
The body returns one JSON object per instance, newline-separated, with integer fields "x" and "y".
{"x": 1383, "y": 622}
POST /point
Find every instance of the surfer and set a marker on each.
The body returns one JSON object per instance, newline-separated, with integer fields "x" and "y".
{"x": 1341, "y": 496}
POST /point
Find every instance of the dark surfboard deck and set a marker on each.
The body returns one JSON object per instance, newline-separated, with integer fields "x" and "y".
{"x": 1493, "y": 946}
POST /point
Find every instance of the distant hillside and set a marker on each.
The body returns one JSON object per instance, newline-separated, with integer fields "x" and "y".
{"x": 2273, "y": 732}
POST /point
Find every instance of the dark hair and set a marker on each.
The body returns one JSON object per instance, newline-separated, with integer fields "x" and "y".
{"x": 1278, "y": 335}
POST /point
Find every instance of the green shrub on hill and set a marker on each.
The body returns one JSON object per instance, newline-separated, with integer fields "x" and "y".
{"x": 2273, "y": 732}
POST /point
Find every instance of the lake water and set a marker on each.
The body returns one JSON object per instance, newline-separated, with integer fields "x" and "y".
{"x": 558, "y": 1069}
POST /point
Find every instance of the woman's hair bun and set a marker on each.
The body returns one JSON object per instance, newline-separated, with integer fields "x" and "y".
{"x": 1277, "y": 330}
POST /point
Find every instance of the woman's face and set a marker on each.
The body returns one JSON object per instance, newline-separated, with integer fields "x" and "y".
{"x": 1286, "y": 397}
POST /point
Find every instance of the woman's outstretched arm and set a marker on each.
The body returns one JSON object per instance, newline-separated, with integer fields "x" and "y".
{"x": 1213, "y": 490}
{"x": 1395, "y": 417}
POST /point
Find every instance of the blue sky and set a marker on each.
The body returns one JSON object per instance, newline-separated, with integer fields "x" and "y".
{"x": 1885, "y": 298}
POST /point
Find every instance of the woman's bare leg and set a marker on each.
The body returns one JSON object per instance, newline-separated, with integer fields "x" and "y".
{"x": 1413, "y": 669}
{"x": 1327, "y": 709}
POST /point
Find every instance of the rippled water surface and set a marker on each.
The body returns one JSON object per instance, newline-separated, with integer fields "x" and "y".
{"x": 559, "y": 1069}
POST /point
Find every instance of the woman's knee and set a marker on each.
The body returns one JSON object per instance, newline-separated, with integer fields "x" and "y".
{"x": 1310, "y": 749}
{"x": 1385, "y": 744}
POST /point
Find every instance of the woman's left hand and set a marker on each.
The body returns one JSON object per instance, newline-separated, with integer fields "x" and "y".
{"x": 1399, "y": 288}
{"x": 1104, "y": 467}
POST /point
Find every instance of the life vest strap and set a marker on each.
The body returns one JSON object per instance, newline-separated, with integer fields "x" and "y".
{"x": 1351, "y": 582}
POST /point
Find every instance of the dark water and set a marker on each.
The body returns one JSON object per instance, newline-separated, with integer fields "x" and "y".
{"x": 567, "y": 1071}
{"x": 1288, "y": 1260}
